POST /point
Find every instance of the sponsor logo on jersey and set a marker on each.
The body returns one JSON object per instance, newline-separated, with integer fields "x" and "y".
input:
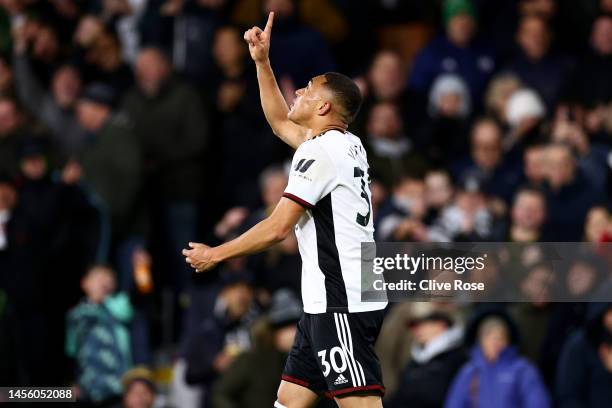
{"x": 303, "y": 165}
{"x": 340, "y": 380}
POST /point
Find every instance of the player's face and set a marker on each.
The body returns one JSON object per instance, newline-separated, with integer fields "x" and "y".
{"x": 308, "y": 100}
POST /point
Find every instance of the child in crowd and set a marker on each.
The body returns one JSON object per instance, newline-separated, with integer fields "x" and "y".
{"x": 98, "y": 338}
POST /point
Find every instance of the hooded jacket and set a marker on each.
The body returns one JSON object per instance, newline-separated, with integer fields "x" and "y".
{"x": 425, "y": 380}
{"x": 509, "y": 382}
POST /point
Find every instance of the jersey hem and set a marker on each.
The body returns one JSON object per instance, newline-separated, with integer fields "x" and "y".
{"x": 378, "y": 389}
{"x": 372, "y": 307}
{"x": 294, "y": 380}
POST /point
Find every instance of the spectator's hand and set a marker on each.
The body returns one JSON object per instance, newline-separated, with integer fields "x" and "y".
{"x": 231, "y": 220}
{"x": 141, "y": 266}
{"x": 141, "y": 256}
{"x": 222, "y": 361}
{"x": 595, "y": 119}
{"x": 571, "y": 132}
{"x": 199, "y": 257}
{"x": 229, "y": 95}
{"x": 259, "y": 41}
{"x": 410, "y": 229}
{"x": 72, "y": 173}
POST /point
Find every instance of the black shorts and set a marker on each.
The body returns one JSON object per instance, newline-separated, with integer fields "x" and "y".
{"x": 333, "y": 354}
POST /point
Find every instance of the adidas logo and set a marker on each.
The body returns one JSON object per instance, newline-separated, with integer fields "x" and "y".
{"x": 340, "y": 380}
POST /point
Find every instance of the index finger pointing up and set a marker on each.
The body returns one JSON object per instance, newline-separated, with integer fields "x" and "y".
{"x": 270, "y": 22}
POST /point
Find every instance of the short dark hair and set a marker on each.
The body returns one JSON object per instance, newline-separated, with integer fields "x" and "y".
{"x": 346, "y": 93}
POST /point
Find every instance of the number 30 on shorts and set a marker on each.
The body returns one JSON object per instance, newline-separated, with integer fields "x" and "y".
{"x": 336, "y": 358}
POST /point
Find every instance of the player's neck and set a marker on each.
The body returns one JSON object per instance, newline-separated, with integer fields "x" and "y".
{"x": 319, "y": 130}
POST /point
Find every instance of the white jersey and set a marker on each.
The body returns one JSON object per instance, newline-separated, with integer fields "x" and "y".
{"x": 329, "y": 177}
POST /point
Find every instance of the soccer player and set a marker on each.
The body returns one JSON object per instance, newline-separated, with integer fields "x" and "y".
{"x": 328, "y": 202}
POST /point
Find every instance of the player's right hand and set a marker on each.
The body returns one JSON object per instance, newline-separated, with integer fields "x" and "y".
{"x": 259, "y": 41}
{"x": 200, "y": 257}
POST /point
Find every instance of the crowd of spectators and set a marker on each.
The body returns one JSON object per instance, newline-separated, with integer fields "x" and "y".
{"x": 129, "y": 128}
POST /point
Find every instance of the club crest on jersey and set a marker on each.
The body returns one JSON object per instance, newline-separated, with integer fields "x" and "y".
{"x": 303, "y": 165}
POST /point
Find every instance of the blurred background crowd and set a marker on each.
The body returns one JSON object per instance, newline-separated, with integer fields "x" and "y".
{"x": 130, "y": 127}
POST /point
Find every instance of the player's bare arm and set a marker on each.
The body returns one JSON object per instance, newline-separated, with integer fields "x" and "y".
{"x": 268, "y": 232}
{"x": 274, "y": 106}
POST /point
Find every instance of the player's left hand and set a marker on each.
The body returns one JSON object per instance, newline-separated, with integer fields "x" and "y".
{"x": 199, "y": 257}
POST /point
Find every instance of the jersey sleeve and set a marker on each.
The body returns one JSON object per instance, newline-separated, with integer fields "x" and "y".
{"x": 311, "y": 176}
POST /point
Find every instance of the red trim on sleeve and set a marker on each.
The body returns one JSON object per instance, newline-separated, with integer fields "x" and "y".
{"x": 374, "y": 387}
{"x": 298, "y": 200}
{"x": 294, "y": 380}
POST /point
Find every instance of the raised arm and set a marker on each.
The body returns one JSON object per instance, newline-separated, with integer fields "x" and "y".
{"x": 272, "y": 101}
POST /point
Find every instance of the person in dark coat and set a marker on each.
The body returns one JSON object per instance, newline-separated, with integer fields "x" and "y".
{"x": 496, "y": 375}
{"x": 218, "y": 338}
{"x": 436, "y": 356}
{"x": 584, "y": 276}
{"x": 238, "y": 387}
{"x": 457, "y": 51}
{"x": 568, "y": 191}
{"x": 535, "y": 64}
{"x": 172, "y": 127}
{"x": 390, "y": 152}
{"x": 171, "y": 124}
{"x": 501, "y": 175}
{"x": 57, "y": 216}
{"x": 443, "y": 137}
{"x": 591, "y": 83}
{"x": 385, "y": 82}
{"x": 12, "y": 129}
{"x": 190, "y": 45}
{"x": 111, "y": 158}
{"x": 584, "y": 372}
{"x": 22, "y": 319}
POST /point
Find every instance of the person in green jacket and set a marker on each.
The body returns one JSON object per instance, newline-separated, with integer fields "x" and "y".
{"x": 97, "y": 337}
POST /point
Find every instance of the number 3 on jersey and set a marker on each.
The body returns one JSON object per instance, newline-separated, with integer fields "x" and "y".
{"x": 363, "y": 220}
